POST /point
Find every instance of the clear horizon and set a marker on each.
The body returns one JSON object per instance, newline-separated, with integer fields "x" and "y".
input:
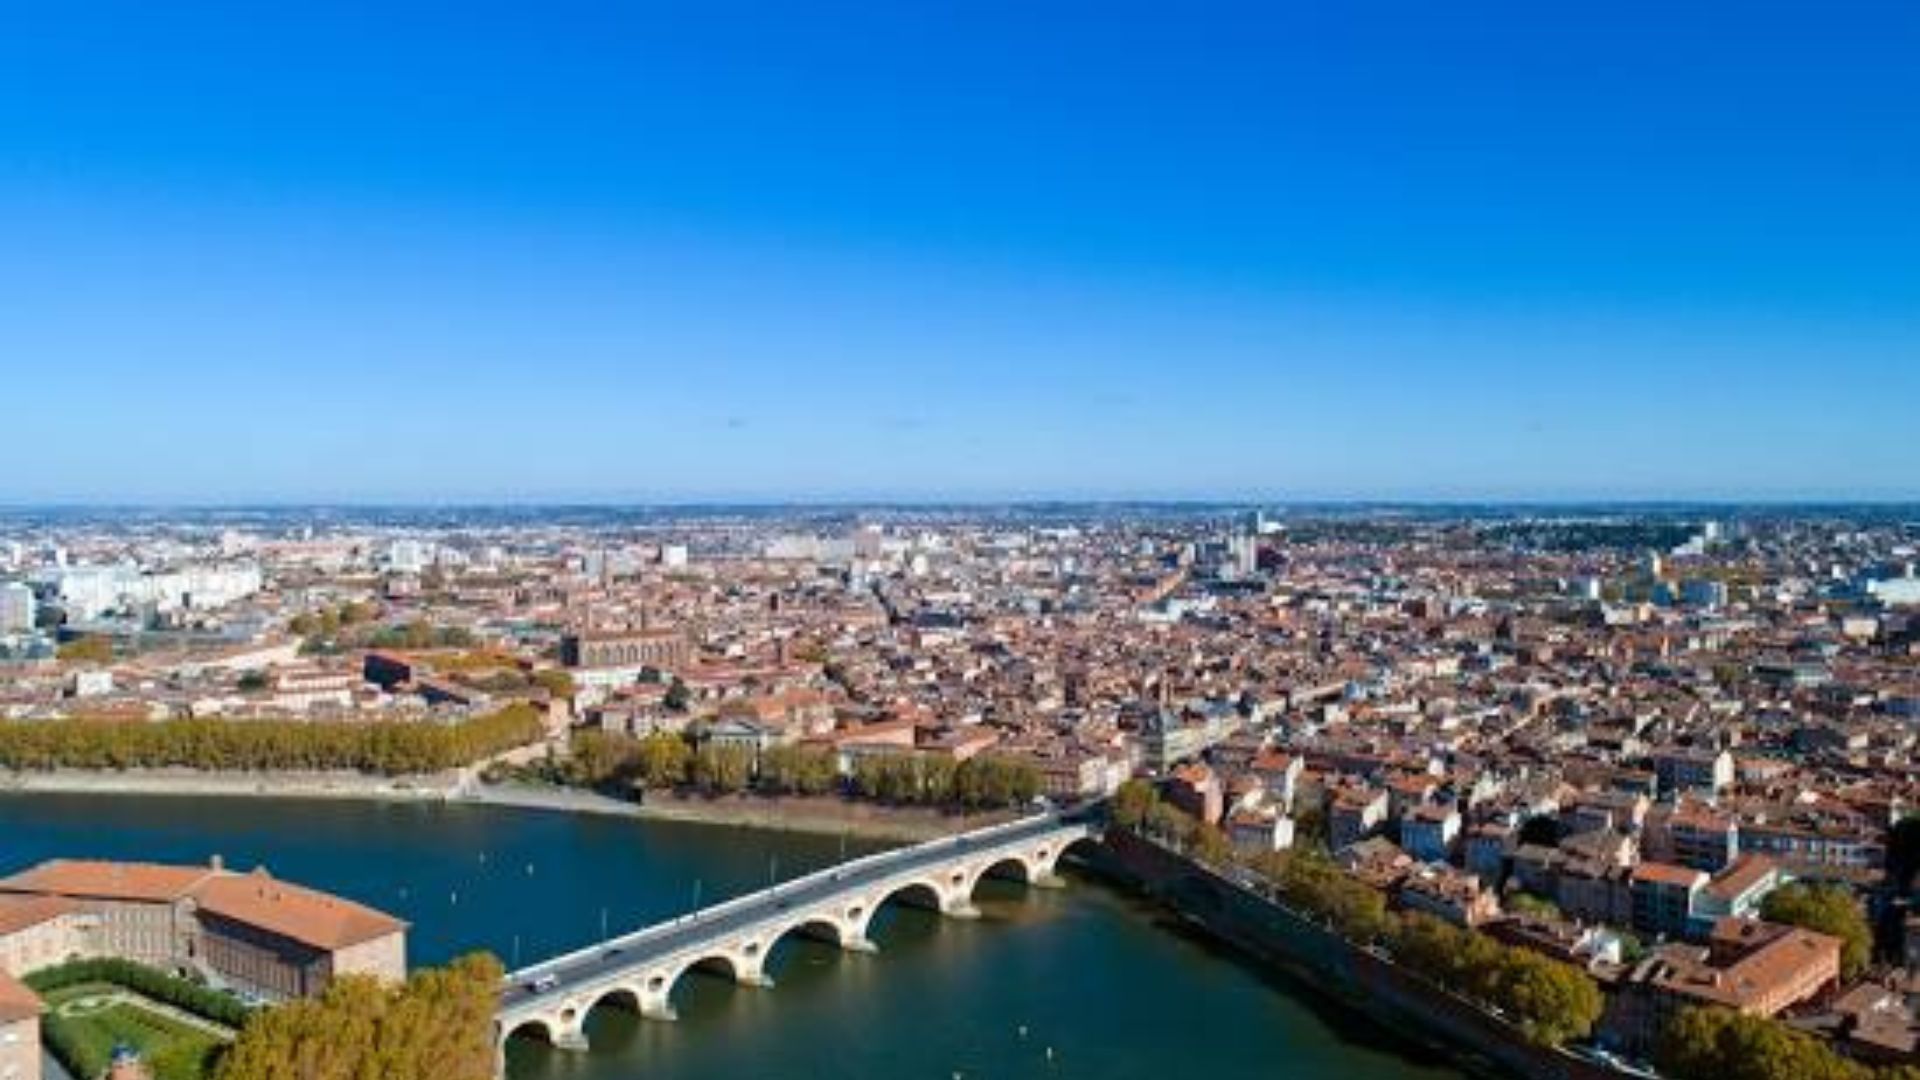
{"x": 1277, "y": 505}
{"x": 619, "y": 254}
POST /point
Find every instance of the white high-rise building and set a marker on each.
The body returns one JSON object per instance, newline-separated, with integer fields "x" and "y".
{"x": 86, "y": 592}
{"x": 1243, "y": 554}
{"x": 17, "y": 608}
{"x": 408, "y": 556}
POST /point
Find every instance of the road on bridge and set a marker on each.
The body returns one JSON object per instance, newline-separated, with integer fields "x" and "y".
{"x": 557, "y": 977}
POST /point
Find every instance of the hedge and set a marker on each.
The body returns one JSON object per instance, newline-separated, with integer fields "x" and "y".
{"x": 145, "y": 981}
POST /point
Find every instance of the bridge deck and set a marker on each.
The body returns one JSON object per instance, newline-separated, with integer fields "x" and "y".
{"x": 597, "y": 963}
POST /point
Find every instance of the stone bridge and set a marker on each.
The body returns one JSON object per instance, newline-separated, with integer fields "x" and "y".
{"x": 639, "y": 970}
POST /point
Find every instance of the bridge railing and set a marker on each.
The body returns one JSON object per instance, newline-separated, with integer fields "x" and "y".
{"x": 907, "y": 855}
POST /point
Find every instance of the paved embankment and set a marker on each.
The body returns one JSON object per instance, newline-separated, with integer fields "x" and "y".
{"x": 317, "y": 785}
{"x": 826, "y": 816}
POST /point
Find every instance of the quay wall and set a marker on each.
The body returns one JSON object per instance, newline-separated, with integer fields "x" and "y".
{"x": 1325, "y": 962}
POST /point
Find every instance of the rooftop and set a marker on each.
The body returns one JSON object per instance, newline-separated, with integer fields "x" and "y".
{"x": 294, "y": 912}
{"x": 17, "y": 1003}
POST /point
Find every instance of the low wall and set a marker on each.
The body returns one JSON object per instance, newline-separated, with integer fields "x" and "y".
{"x": 1325, "y": 961}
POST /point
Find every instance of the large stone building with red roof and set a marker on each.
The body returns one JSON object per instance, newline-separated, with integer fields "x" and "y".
{"x": 251, "y": 931}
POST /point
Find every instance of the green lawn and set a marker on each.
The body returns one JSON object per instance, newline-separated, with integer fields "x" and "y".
{"x": 83, "y": 1029}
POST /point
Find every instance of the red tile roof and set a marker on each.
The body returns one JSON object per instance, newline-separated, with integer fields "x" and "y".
{"x": 19, "y": 913}
{"x": 290, "y": 911}
{"x": 17, "y": 1003}
{"x": 150, "y": 882}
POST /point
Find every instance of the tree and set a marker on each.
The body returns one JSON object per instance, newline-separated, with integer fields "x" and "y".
{"x": 676, "y": 698}
{"x": 88, "y": 649}
{"x": 1210, "y": 844}
{"x": 722, "y": 770}
{"x": 599, "y": 758}
{"x": 1826, "y": 909}
{"x": 939, "y": 778}
{"x": 797, "y": 770}
{"x": 1719, "y": 1044}
{"x": 1134, "y": 803}
{"x": 555, "y": 681}
{"x": 1426, "y": 945}
{"x": 890, "y": 778}
{"x": 1551, "y": 1001}
{"x": 991, "y": 781}
{"x": 664, "y": 760}
{"x": 437, "y": 1026}
{"x": 1168, "y": 822}
{"x": 1310, "y": 827}
{"x": 354, "y": 612}
{"x": 389, "y": 749}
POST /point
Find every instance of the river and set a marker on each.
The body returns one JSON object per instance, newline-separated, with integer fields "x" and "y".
{"x": 1075, "y": 983}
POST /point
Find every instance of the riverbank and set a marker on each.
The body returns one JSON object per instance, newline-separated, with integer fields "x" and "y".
{"x": 197, "y": 782}
{"x": 1060, "y": 970}
{"x": 818, "y": 816}
{"x": 1320, "y": 961}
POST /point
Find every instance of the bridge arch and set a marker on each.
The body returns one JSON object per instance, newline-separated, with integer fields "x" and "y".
{"x": 1045, "y": 859}
{"x": 628, "y": 997}
{"x": 1022, "y": 869}
{"x": 823, "y": 926}
{"x": 723, "y": 964}
{"x": 529, "y": 1028}
{"x": 928, "y": 893}
{"x": 919, "y": 892}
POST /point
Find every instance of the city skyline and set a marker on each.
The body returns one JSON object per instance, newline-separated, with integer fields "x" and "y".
{"x": 633, "y": 257}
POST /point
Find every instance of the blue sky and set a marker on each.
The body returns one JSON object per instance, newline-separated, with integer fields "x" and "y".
{"x": 899, "y": 250}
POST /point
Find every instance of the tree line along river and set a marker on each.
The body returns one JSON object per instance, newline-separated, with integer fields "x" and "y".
{"x": 1083, "y": 982}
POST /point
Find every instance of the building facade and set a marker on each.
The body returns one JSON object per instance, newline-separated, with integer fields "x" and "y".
{"x": 251, "y": 931}
{"x": 41, "y": 931}
{"x": 19, "y": 1031}
{"x": 667, "y": 650}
